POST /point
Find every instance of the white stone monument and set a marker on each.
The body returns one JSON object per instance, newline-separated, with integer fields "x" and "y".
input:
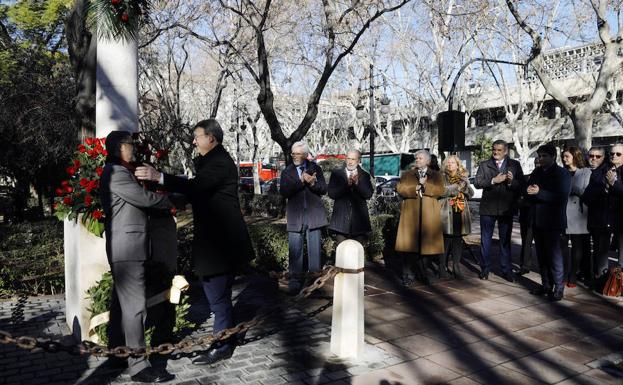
{"x": 347, "y": 326}
{"x": 116, "y": 109}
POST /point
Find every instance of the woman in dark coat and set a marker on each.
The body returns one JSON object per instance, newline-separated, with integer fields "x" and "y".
{"x": 455, "y": 216}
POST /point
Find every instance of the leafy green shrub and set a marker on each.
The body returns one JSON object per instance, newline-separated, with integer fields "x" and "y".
{"x": 270, "y": 242}
{"x": 101, "y": 296}
{"x": 31, "y": 256}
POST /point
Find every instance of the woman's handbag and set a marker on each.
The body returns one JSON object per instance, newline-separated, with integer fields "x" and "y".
{"x": 614, "y": 282}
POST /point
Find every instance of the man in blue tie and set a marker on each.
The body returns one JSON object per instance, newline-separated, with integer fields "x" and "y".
{"x": 302, "y": 184}
{"x": 501, "y": 179}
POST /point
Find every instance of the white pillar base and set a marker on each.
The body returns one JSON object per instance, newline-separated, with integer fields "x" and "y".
{"x": 85, "y": 263}
{"x": 347, "y": 325}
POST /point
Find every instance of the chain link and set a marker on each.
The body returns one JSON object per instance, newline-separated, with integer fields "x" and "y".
{"x": 186, "y": 345}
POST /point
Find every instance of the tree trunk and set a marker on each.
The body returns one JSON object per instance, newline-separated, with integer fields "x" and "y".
{"x": 582, "y": 119}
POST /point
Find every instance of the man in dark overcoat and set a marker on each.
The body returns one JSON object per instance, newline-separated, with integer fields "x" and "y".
{"x": 501, "y": 179}
{"x": 350, "y": 187}
{"x": 603, "y": 214}
{"x": 221, "y": 243}
{"x": 302, "y": 184}
{"x": 548, "y": 191}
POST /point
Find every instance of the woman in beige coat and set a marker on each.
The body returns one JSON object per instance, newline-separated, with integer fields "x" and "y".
{"x": 455, "y": 216}
{"x": 420, "y": 187}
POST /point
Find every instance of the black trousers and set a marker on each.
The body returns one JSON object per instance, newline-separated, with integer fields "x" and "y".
{"x": 601, "y": 247}
{"x": 578, "y": 258}
{"x": 527, "y": 236}
{"x": 550, "y": 257}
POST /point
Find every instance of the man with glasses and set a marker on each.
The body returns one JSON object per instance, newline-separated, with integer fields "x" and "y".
{"x": 501, "y": 179}
{"x": 302, "y": 184}
{"x": 601, "y": 210}
{"x": 614, "y": 179}
{"x": 221, "y": 242}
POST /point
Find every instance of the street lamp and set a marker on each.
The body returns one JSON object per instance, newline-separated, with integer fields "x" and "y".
{"x": 360, "y": 113}
{"x": 236, "y": 127}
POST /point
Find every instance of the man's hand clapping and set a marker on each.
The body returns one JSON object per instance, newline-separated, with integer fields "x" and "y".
{"x": 533, "y": 189}
{"x": 611, "y": 177}
{"x": 309, "y": 179}
{"x": 500, "y": 178}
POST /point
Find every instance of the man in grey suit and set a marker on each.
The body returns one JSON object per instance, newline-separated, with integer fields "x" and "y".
{"x": 126, "y": 221}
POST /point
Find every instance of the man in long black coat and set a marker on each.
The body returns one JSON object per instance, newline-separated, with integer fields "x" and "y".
{"x": 221, "y": 242}
{"x": 350, "y": 187}
{"x": 302, "y": 184}
{"x": 547, "y": 192}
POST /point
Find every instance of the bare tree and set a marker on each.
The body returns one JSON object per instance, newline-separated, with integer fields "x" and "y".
{"x": 581, "y": 110}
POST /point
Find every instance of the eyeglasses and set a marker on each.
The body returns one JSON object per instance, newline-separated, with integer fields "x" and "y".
{"x": 595, "y": 156}
{"x": 616, "y": 154}
{"x": 296, "y": 154}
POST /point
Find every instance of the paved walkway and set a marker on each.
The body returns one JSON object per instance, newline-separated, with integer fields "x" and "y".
{"x": 452, "y": 332}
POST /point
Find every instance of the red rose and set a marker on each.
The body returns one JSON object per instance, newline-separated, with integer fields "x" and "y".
{"x": 76, "y": 163}
{"x": 99, "y": 171}
{"x": 88, "y": 200}
{"x": 68, "y": 201}
{"x": 125, "y": 18}
{"x": 92, "y": 153}
{"x": 55, "y": 206}
{"x": 102, "y": 140}
{"x": 84, "y": 182}
{"x": 89, "y": 141}
{"x": 65, "y": 183}
{"x": 81, "y": 148}
{"x": 98, "y": 214}
{"x": 104, "y": 152}
{"x": 115, "y": 2}
{"x": 69, "y": 189}
{"x": 59, "y": 192}
{"x": 161, "y": 154}
{"x": 71, "y": 170}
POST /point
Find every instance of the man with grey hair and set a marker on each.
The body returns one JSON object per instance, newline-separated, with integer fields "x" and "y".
{"x": 603, "y": 197}
{"x": 350, "y": 187}
{"x": 302, "y": 184}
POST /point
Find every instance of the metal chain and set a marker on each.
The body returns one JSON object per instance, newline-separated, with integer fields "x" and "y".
{"x": 185, "y": 345}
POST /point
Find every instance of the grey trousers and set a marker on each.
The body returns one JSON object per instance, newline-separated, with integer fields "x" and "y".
{"x": 128, "y": 311}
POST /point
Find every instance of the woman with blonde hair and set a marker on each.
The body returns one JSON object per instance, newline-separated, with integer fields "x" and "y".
{"x": 455, "y": 215}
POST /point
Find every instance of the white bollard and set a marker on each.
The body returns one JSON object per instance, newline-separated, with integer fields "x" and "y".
{"x": 347, "y": 324}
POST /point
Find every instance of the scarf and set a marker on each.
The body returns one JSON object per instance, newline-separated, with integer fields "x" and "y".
{"x": 458, "y": 201}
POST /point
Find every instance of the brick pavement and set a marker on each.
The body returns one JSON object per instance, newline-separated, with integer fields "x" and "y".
{"x": 452, "y": 332}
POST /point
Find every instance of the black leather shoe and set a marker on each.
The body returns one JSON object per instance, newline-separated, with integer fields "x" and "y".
{"x": 214, "y": 356}
{"x": 483, "y": 275}
{"x": 152, "y": 375}
{"x": 556, "y": 296}
{"x": 508, "y": 276}
{"x": 541, "y": 291}
{"x": 523, "y": 271}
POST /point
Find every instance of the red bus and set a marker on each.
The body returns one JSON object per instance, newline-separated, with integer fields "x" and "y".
{"x": 266, "y": 171}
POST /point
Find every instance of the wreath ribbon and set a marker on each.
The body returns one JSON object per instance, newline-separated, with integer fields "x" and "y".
{"x": 173, "y": 295}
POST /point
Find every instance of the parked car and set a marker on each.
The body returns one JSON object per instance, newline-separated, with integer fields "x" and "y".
{"x": 271, "y": 186}
{"x": 379, "y": 179}
{"x": 246, "y": 185}
{"x": 388, "y": 188}
{"x": 477, "y": 191}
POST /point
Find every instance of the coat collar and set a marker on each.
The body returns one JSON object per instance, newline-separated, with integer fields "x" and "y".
{"x": 202, "y": 159}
